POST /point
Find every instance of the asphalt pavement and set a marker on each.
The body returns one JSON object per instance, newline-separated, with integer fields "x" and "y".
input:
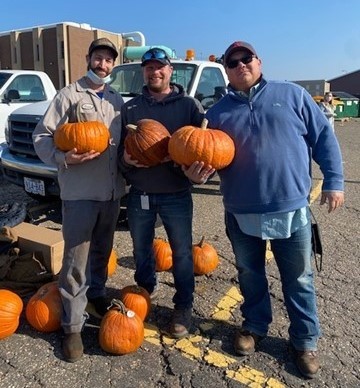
{"x": 206, "y": 359}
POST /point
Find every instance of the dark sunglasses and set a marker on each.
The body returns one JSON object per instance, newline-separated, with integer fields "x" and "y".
{"x": 245, "y": 60}
{"x": 154, "y": 54}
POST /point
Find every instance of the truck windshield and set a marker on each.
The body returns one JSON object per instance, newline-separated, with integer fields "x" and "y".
{"x": 128, "y": 79}
{"x": 3, "y": 78}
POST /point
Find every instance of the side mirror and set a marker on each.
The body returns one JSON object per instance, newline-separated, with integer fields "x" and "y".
{"x": 12, "y": 94}
{"x": 220, "y": 91}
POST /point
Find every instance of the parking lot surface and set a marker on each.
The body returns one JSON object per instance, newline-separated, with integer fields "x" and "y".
{"x": 207, "y": 359}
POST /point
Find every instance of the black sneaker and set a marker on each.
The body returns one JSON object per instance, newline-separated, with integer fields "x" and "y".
{"x": 181, "y": 322}
{"x": 101, "y": 305}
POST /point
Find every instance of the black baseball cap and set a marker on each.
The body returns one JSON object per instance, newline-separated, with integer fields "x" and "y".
{"x": 103, "y": 43}
{"x": 155, "y": 54}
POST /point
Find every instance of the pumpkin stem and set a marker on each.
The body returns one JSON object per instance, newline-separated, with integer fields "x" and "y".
{"x": 204, "y": 123}
{"x": 118, "y": 305}
{"x": 201, "y": 241}
{"x": 131, "y": 127}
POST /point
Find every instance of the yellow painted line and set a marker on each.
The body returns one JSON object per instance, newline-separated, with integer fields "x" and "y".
{"x": 195, "y": 347}
{"x": 316, "y": 191}
{"x": 223, "y": 310}
{"x": 252, "y": 378}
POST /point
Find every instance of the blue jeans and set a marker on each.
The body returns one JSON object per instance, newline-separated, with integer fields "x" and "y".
{"x": 175, "y": 211}
{"x": 293, "y": 257}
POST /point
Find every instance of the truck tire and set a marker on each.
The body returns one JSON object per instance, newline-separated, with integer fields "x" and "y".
{"x": 12, "y": 214}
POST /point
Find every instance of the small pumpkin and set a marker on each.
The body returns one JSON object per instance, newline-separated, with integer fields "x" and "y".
{"x": 137, "y": 299}
{"x": 205, "y": 258}
{"x": 82, "y": 135}
{"x": 163, "y": 254}
{"x": 121, "y": 330}
{"x": 112, "y": 264}
{"x": 147, "y": 142}
{"x": 11, "y": 306}
{"x": 44, "y": 308}
{"x": 212, "y": 146}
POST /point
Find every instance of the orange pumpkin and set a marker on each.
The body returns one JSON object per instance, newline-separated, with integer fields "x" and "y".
{"x": 190, "y": 144}
{"x": 147, "y": 142}
{"x": 11, "y": 306}
{"x": 84, "y": 136}
{"x": 44, "y": 308}
{"x": 163, "y": 254}
{"x": 112, "y": 264}
{"x": 121, "y": 330}
{"x": 205, "y": 258}
{"x": 137, "y": 299}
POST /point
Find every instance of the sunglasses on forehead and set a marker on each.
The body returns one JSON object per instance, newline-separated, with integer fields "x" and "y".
{"x": 155, "y": 54}
{"x": 235, "y": 62}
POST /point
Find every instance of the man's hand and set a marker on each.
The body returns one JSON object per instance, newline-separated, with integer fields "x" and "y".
{"x": 72, "y": 157}
{"x": 198, "y": 172}
{"x": 132, "y": 162}
{"x": 334, "y": 199}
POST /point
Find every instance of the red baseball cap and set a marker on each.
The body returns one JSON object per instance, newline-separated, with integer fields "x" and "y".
{"x": 238, "y": 46}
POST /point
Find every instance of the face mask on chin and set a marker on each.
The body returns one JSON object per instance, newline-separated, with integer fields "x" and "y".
{"x": 96, "y": 79}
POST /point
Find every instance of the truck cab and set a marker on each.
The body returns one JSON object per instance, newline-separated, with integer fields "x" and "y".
{"x": 204, "y": 80}
{"x": 19, "y": 88}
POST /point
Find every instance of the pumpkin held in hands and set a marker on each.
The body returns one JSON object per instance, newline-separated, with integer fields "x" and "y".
{"x": 205, "y": 258}
{"x": 190, "y": 144}
{"x": 84, "y": 136}
{"x": 44, "y": 308}
{"x": 11, "y": 306}
{"x": 163, "y": 254}
{"x": 121, "y": 330}
{"x": 147, "y": 142}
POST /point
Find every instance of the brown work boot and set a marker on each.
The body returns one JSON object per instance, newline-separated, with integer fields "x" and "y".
{"x": 307, "y": 362}
{"x": 180, "y": 323}
{"x": 246, "y": 342}
{"x": 72, "y": 347}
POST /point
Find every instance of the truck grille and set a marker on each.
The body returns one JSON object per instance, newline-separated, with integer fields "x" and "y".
{"x": 21, "y": 128}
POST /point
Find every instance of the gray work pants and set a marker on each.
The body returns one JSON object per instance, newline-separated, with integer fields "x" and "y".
{"x": 88, "y": 229}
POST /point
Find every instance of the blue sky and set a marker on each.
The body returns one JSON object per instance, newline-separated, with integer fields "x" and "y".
{"x": 296, "y": 40}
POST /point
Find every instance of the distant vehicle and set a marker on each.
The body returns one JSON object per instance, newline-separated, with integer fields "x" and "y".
{"x": 19, "y": 88}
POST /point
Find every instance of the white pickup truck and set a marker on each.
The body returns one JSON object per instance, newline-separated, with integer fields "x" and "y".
{"x": 19, "y": 88}
{"x": 204, "y": 80}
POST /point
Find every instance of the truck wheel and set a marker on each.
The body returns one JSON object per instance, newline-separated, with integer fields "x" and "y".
{"x": 12, "y": 214}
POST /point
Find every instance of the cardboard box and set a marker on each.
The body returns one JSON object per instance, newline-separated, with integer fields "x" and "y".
{"x": 33, "y": 238}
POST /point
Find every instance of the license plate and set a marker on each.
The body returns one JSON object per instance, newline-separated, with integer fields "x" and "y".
{"x": 34, "y": 186}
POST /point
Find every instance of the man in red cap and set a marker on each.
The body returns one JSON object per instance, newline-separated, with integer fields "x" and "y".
{"x": 276, "y": 127}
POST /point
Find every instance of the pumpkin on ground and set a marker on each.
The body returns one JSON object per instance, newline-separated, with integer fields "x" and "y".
{"x": 163, "y": 254}
{"x": 147, "y": 142}
{"x": 205, "y": 258}
{"x": 11, "y": 306}
{"x": 44, "y": 308}
{"x": 121, "y": 330}
{"x": 112, "y": 264}
{"x": 137, "y": 299}
{"x": 190, "y": 144}
{"x": 84, "y": 136}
